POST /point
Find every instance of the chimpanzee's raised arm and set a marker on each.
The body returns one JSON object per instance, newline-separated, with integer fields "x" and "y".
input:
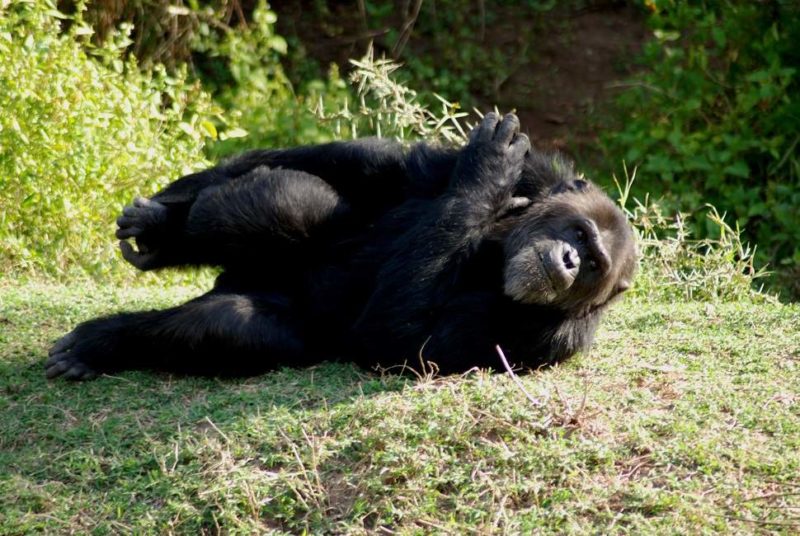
{"x": 422, "y": 275}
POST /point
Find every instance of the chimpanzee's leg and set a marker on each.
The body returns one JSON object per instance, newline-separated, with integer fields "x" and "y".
{"x": 216, "y": 334}
{"x": 354, "y": 168}
{"x": 267, "y": 215}
{"x": 369, "y": 174}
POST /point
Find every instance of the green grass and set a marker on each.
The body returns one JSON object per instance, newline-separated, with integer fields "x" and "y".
{"x": 684, "y": 419}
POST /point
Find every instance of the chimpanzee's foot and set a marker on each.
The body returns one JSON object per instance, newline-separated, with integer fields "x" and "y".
{"x": 76, "y": 355}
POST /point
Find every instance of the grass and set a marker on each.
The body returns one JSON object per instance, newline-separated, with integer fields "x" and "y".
{"x": 683, "y": 419}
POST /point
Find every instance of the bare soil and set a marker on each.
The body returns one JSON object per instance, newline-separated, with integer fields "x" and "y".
{"x": 571, "y": 74}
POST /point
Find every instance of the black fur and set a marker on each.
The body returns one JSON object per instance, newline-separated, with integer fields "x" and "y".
{"x": 363, "y": 251}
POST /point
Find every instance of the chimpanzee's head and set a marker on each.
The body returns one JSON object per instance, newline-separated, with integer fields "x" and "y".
{"x": 569, "y": 246}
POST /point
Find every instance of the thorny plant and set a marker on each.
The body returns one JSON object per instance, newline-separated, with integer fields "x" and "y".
{"x": 387, "y": 108}
{"x": 673, "y": 265}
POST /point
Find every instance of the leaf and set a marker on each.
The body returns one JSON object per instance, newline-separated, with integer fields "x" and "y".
{"x": 187, "y": 128}
{"x": 83, "y": 30}
{"x": 209, "y": 129}
{"x": 278, "y": 44}
{"x": 698, "y": 162}
{"x": 233, "y": 133}
{"x": 663, "y": 35}
{"x": 178, "y": 10}
{"x": 719, "y": 36}
{"x": 758, "y": 209}
{"x": 738, "y": 169}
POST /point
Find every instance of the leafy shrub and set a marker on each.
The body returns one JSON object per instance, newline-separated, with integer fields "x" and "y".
{"x": 250, "y": 84}
{"x": 715, "y": 116}
{"x": 82, "y": 131}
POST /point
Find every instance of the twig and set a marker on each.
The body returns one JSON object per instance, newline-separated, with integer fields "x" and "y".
{"x": 408, "y": 27}
{"x": 220, "y": 432}
{"x": 761, "y": 522}
{"x": 364, "y": 35}
{"x": 482, "y": 16}
{"x": 771, "y": 496}
{"x": 239, "y": 13}
{"x": 362, "y": 11}
{"x": 514, "y": 377}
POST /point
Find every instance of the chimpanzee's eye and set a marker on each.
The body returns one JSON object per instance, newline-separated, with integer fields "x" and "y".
{"x": 592, "y": 265}
{"x": 580, "y": 236}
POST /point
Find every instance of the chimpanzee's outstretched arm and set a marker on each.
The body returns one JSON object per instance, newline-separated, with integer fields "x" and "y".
{"x": 422, "y": 274}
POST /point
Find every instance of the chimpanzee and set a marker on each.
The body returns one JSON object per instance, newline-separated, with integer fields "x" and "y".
{"x": 368, "y": 252}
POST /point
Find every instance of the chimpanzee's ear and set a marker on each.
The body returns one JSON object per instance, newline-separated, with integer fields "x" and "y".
{"x": 574, "y": 185}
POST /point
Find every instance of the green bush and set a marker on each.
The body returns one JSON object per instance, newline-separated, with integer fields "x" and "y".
{"x": 250, "y": 84}
{"x": 715, "y": 117}
{"x": 81, "y": 132}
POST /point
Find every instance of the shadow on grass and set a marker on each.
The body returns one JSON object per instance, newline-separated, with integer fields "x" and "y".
{"x": 46, "y": 419}
{"x": 137, "y": 404}
{"x": 151, "y": 401}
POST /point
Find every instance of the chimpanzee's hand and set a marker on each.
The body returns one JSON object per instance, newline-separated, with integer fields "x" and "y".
{"x": 491, "y": 164}
{"x": 143, "y": 220}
